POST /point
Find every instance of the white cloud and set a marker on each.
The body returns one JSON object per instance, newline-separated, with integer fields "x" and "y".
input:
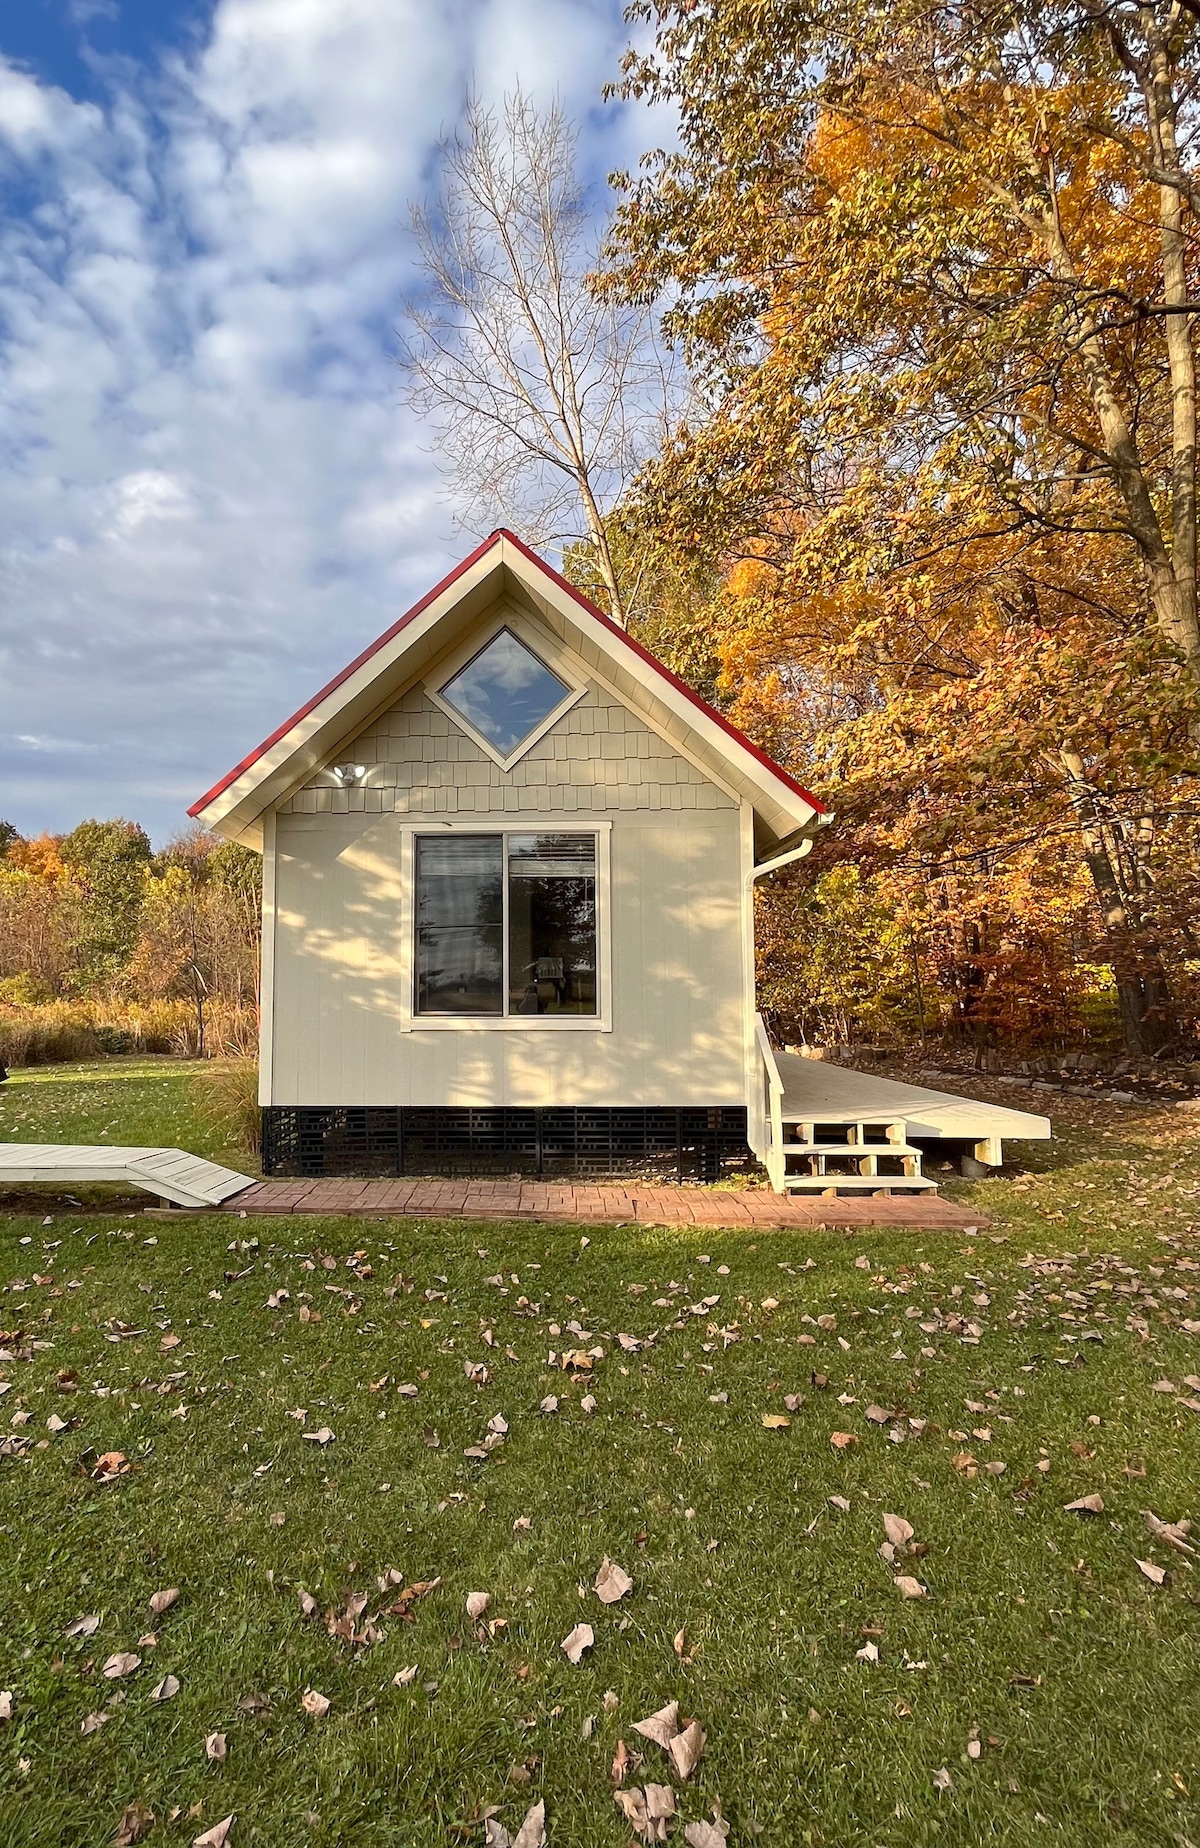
{"x": 210, "y": 497}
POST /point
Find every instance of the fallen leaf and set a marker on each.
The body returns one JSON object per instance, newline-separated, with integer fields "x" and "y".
{"x": 478, "y": 1603}
{"x": 6, "y": 1704}
{"x": 620, "y": 1763}
{"x": 868, "y": 1653}
{"x": 612, "y": 1582}
{"x": 942, "y": 1780}
{"x": 588, "y": 1403}
{"x": 323, "y": 1436}
{"x": 121, "y": 1664}
{"x": 92, "y": 1722}
{"x": 648, "y": 1811}
{"x": 137, "y": 1819}
{"x": 839, "y": 1501}
{"x": 843, "y": 1440}
{"x": 405, "y": 1676}
{"x": 112, "y": 1464}
{"x": 314, "y": 1703}
{"x": 549, "y": 1404}
{"x": 581, "y": 1637}
{"x": 662, "y": 1726}
{"x": 1154, "y": 1573}
{"x": 83, "y": 1626}
{"x": 217, "y": 1836}
{"x": 214, "y": 1748}
{"x": 1087, "y": 1504}
{"x": 909, "y": 1587}
{"x": 163, "y": 1600}
{"x": 898, "y": 1530}
{"x": 775, "y": 1421}
{"x": 532, "y": 1832}
{"x": 687, "y": 1749}
{"x": 166, "y": 1689}
{"x": 1173, "y": 1533}
{"x": 707, "y": 1834}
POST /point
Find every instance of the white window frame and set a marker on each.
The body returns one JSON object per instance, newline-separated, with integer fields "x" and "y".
{"x": 452, "y": 665}
{"x": 599, "y": 1022}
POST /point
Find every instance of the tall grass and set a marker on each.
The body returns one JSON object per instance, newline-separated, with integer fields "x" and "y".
{"x": 56, "y": 1030}
{"x": 226, "y": 1096}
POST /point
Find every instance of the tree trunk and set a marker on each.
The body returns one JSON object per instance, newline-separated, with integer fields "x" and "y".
{"x": 1143, "y": 991}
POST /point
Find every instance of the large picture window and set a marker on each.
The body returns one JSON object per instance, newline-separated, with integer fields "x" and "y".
{"x": 506, "y": 924}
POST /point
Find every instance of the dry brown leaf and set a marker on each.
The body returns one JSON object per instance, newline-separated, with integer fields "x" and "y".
{"x": 137, "y": 1819}
{"x": 1087, "y": 1504}
{"x": 6, "y": 1703}
{"x": 687, "y": 1749}
{"x": 621, "y": 1762}
{"x": 662, "y": 1726}
{"x": 121, "y": 1664}
{"x": 532, "y": 1832}
{"x": 909, "y": 1587}
{"x": 163, "y": 1600}
{"x": 314, "y": 1703}
{"x": 843, "y": 1440}
{"x": 323, "y": 1436}
{"x": 898, "y": 1530}
{"x": 1154, "y": 1573}
{"x": 478, "y": 1603}
{"x": 83, "y": 1626}
{"x": 612, "y": 1582}
{"x": 92, "y": 1722}
{"x": 112, "y": 1464}
{"x": 581, "y": 1637}
{"x": 775, "y": 1421}
{"x": 1173, "y": 1533}
{"x": 215, "y": 1748}
{"x": 404, "y": 1676}
{"x": 707, "y": 1834}
{"x": 166, "y": 1689}
{"x": 942, "y": 1780}
{"x": 217, "y": 1836}
{"x": 648, "y": 1811}
{"x": 868, "y": 1653}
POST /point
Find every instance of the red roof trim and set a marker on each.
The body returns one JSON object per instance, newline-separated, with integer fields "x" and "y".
{"x": 585, "y": 603}
{"x": 680, "y": 686}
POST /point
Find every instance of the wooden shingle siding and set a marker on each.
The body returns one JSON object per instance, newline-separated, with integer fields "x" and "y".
{"x": 600, "y": 758}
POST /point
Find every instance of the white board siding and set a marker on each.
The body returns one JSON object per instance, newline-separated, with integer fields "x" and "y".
{"x": 676, "y": 938}
{"x": 600, "y": 759}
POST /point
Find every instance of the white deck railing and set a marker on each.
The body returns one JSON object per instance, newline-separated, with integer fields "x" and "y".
{"x": 774, "y": 1159}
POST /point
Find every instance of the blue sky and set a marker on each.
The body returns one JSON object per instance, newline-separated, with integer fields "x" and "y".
{"x": 210, "y": 494}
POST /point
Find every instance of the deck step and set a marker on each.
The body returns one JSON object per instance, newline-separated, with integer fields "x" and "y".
{"x": 856, "y": 1150}
{"x": 857, "y": 1183}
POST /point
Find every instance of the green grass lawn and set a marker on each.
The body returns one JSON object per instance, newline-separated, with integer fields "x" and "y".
{"x": 203, "y": 1351}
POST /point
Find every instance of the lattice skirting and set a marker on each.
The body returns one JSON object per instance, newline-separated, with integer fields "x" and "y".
{"x": 687, "y": 1143}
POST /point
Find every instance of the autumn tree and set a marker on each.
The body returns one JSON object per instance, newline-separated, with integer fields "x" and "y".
{"x": 544, "y": 395}
{"x": 935, "y": 272}
{"x": 108, "y": 862}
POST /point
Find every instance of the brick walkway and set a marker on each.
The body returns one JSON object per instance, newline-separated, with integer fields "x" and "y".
{"x": 583, "y": 1205}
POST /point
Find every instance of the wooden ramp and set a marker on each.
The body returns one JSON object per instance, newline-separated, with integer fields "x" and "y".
{"x": 170, "y": 1174}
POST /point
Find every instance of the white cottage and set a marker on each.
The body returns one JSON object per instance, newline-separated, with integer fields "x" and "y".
{"x": 508, "y": 905}
{"x": 507, "y": 897}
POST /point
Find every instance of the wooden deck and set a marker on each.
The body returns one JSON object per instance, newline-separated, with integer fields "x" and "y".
{"x": 170, "y": 1174}
{"x": 834, "y": 1093}
{"x": 576, "y": 1203}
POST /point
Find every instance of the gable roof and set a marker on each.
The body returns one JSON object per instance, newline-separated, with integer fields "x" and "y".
{"x": 398, "y": 658}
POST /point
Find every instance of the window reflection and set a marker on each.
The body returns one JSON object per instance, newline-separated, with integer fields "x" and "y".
{"x": 463, "y": 964}
{"x": 505, "y": 693}
{"x": 551, "y": 924}
{"x": 460, "y": 924}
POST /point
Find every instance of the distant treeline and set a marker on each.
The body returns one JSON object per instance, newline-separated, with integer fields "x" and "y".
{"x": 106, "y": 945}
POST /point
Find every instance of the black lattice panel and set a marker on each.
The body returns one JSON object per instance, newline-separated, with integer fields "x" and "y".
{"x": 554, "y": 1143}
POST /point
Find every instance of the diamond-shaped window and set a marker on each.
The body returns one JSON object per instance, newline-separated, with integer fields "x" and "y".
{"x": 505, "y": 692}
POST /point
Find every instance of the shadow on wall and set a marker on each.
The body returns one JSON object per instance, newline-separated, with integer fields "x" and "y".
{"x": 343, "y": 966}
